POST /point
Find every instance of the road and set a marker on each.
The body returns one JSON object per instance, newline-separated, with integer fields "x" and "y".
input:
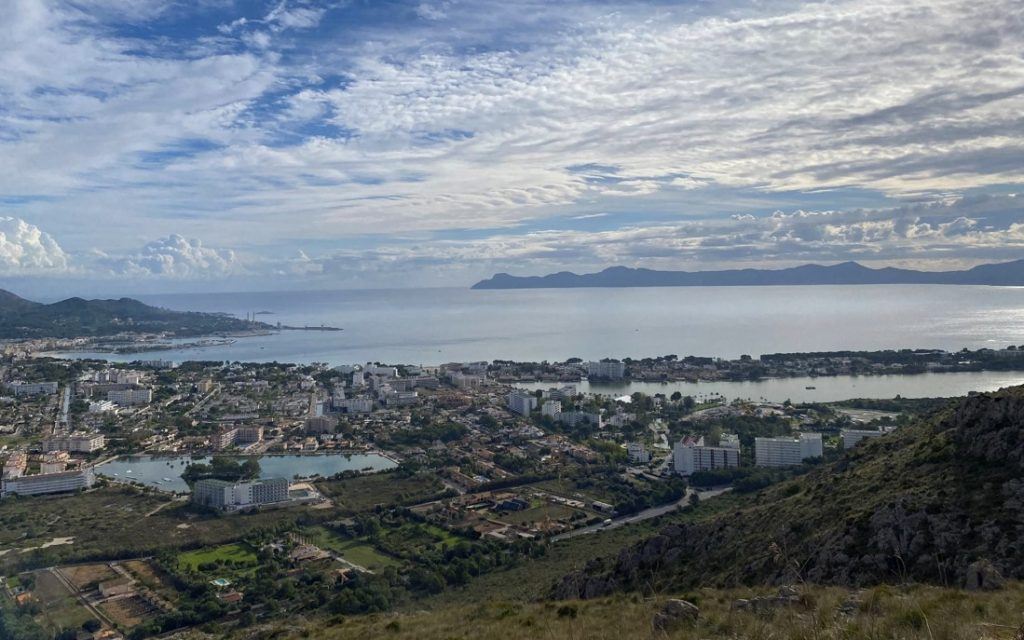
{"x": 646, "y": 514}
{"x": 64, "y": 420}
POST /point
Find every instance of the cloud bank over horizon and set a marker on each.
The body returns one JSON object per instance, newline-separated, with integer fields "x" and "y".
{"x": 419, "y": 143}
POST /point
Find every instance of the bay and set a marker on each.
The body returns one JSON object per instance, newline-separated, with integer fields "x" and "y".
{"x": 433, "y": 326}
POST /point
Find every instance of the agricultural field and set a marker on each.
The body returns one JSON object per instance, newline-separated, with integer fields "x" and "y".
{"x": 112, "y": 522}
{"x": 151, "y": 578}
{"x": 58, "y": 607}
{"x": 88, "y": 576}
{"x": 129, "y": 612}
{"x": 543, "y": 512}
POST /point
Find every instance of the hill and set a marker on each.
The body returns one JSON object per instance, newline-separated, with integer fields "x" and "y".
{"x": 76, "y": 317}
{"x": 932, "y": 502}
{"x": 1003, "y": 274}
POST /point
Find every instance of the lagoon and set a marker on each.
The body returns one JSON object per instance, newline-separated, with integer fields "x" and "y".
{"x": 164, "y": 472}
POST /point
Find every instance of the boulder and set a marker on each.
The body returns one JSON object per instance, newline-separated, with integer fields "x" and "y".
{"x": 983, "y": 576}
{"x": 786, "y": 596}
{"x": 675, "y": 613}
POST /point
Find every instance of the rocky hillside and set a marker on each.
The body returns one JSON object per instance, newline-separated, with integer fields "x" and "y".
{"x": 940, "y": 501}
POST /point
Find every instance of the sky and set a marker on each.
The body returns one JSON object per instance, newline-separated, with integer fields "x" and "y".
{"x": 222, "y": 145}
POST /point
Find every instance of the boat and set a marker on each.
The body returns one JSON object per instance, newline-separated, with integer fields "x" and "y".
{"x": 167, "y": 479}
{"x": 810, "y": 387}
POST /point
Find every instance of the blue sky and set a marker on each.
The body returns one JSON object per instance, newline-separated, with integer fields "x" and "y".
{"x": 213, "y": 144}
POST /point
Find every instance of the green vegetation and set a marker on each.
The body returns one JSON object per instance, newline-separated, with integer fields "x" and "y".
{"x": 355, "y": 493}
{"x": 235, "y": 555}
{"x": 222, "y": 468}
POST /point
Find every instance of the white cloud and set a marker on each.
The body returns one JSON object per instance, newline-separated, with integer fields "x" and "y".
{"x": 175, "y": 257}
{"x": 25, "y": 250}
{"x": 478, "y": 122}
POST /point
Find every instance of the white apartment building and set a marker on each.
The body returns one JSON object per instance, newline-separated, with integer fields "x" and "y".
{"x": 785, "y": 451}
{"x": 551, "y": 408}
{"x": 852, "y": 436}
{"x": 75, "y": 442}
{"x": 563, "y": 392}
{"x": 691, "y": 455}
{"x": 612, "y": 370}
{"x": 522, "y": 402}
{"x": 32, "y": 388}
{"x": 102, "y": 406}
{"x": 573, "y": 418}
{"x": 360, "y": 404}
{"x": 230, "y": 496}
{"x": 401, "y": 398}
{"x": 130, "y": 397}
{"x": 49, "y": 483}
{"x": 637, "y": 453}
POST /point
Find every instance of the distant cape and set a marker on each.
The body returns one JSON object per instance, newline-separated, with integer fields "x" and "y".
{"x": 1001, "y": 274}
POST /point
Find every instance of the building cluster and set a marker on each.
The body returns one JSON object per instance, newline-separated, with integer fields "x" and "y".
{"x": 691, "y": 455}
{"x": 54, "y": 476}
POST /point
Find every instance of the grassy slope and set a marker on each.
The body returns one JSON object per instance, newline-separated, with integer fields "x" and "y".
{"x": 881, "y": 613}
{"x": 916, "y": 504}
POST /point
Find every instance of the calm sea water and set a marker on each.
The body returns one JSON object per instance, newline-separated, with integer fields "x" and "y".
{"x": 164, "y": 472}
{"x": 432, "y": 326}
{"x": 826, "y": 389}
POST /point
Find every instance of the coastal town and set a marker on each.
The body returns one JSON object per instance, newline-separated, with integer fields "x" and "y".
{"x": 373, "y": 474}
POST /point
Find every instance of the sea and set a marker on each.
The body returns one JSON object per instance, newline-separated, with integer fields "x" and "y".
{"x": 437, "y": 325}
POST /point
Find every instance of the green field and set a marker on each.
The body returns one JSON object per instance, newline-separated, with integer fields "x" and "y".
{"x": 239, "y": 554}
{"x": 356, "y": 551}
{"x": 365, "y": 555}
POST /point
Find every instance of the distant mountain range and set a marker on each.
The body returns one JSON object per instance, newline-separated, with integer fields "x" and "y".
{"x": 75, "y": 317}
{"x": 1004, "y": 274}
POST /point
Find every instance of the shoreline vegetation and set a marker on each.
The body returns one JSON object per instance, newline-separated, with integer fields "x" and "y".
{"x": 825, "y": 364}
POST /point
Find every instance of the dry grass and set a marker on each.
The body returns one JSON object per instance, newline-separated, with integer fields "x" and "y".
{"x": 85, "y": 576}
{"x": 882, "y": 613}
